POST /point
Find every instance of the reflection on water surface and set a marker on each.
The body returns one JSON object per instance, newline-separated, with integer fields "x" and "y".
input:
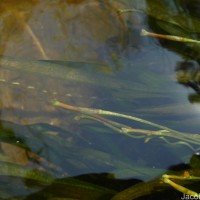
{"x": 96, "y": 59}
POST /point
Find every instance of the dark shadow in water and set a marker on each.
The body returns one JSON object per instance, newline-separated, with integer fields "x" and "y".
{"x": 106, "y": 186}
{"x": 187, "y": 73}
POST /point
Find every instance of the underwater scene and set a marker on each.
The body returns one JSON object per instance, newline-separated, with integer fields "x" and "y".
{"x": 99, "y": 99}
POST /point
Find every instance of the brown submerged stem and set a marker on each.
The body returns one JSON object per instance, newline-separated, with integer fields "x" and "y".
{"x": 34, "y": 38}
{"x": 168, "y": 37}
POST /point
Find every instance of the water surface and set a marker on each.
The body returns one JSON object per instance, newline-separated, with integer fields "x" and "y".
{"x": 116, "y": 70}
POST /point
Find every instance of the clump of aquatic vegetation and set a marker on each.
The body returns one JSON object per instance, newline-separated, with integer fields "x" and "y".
{"x": 179, "y": 28}
{"x": 183, "y": 32}
{"x": 52, "y": 179}
{"x": 162, "y": 133}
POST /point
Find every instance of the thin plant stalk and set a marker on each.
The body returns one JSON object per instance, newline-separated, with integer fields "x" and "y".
{"x": 168, "y": 37}
{"x": 91, "y": 111}
{"x": 166, "y": 179}
{"x": 121, "y": 11}
{"x": 32, "y": 35}
{"x": 111, "y": 124}
{"x": 162, "y": 133}
{"x": 36, "y": 42}
{"x": 126, "y": 130}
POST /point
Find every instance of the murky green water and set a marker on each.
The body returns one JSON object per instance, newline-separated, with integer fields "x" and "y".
{"x": 96, "y": 58}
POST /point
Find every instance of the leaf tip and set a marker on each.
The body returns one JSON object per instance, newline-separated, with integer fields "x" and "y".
{"x": 143, "y": 32}
{"x": 55, "y": 103}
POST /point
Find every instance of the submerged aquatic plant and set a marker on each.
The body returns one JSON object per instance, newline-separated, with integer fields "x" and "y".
{"x": 163, "y": 133}
{"x": 186, "y": 176}
{"x": 168, "y": 37}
